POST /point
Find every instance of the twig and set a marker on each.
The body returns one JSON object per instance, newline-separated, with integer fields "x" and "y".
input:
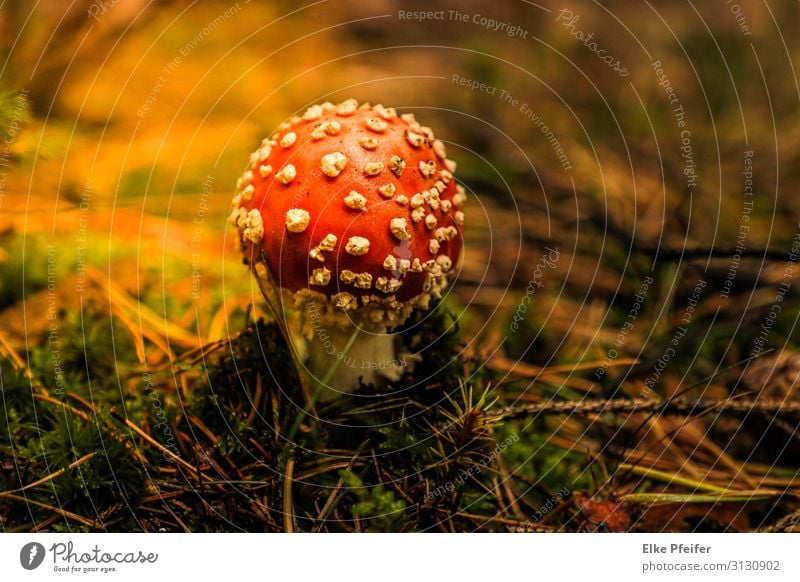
{"x": 683, "y": 498}
{"x": 682, "y": 407}
{"x": 526, "y": 526}
{"x": 62, "y": 512}
{"x": 7, "y": 350}
{"x": 64, "y": 405}
{"x": 784, "y": 524}
{"x": 256, "y": 402}
{"x": 288, "y": 513}
{"x": 168, "y": 453}
{"x": 323, "y": 514}
{"x": 45, "y": 524}
{"x": 672, "y": 479}
{"x": 51, "y": 476}
{"x": 672, "y": 254}
{"x": 177, "y": 519}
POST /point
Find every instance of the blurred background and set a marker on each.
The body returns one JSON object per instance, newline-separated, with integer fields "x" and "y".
{"x": 633, "y": 170}
{"x": 134, "y": 109}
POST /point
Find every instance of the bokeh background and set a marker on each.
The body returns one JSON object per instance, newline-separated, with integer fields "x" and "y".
{"x": 633, "y": 170}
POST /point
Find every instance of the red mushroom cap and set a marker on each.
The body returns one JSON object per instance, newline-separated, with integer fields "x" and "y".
{"x": 354, "y": 206}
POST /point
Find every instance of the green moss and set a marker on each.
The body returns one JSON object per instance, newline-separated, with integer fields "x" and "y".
{"x": 376, "y": 506}
{"x": 111, "y": 476}
{"x": 43, "y": 439}
{"x": 549, "y": 466}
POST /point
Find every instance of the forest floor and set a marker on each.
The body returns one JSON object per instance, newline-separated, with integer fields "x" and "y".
{"x": 615, "y": 355}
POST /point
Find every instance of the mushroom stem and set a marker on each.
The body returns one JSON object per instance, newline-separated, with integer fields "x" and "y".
{"x": 339, "y": 359}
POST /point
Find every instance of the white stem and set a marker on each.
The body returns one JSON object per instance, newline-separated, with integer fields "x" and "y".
{"x": 370, "y": 359}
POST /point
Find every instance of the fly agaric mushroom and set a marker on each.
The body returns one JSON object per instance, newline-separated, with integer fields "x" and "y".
{"x": 350, "y": 216}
